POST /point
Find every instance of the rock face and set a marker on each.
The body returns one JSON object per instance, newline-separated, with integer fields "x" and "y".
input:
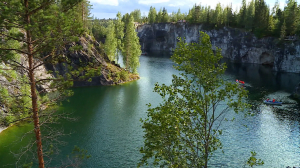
{"x": 237, "y": 45}
{"x": 90, "y": 53}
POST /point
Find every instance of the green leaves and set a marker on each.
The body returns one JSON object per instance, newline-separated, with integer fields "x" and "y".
{"x": 253, "y": 161}
{"x": 132, "y": 49}
{"x": 110, "y": 45}
{"x": 183, "y": 130}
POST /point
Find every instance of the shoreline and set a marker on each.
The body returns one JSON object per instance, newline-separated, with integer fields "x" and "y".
{"x": 2, "y": 128}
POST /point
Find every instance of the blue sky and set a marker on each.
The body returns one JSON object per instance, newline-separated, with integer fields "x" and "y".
{"x": 109, "y": 8}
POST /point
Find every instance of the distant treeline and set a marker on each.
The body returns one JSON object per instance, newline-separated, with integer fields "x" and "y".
{"x": 256, "y": 16}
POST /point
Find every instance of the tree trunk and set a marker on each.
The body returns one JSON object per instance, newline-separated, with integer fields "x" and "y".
{"x": 33, "y": 92}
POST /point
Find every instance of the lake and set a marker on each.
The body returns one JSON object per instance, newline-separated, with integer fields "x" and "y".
{"x": 109, "y": 126}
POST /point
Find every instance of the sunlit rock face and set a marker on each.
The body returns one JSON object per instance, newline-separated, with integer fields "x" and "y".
{"x": 237, "y": 45}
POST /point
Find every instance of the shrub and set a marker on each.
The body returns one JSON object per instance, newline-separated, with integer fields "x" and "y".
{"x": 124, "y": 75}
{"x": 9, "y": 119}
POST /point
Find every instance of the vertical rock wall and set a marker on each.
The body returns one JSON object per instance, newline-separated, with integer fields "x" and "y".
{"x": 237, "y": 45}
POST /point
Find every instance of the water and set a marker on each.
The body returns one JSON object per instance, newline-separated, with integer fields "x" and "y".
{"x": 108, "y": 123}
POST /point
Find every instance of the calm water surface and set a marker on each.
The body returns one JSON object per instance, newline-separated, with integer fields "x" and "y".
{"x": 109, "y": 127}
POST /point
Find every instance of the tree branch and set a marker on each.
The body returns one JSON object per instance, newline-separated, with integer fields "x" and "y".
{"x": 41, "y": 7}
{"x": 13, "y": 49}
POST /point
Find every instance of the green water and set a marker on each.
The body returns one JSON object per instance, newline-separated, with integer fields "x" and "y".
{"x": 108, "y": 123}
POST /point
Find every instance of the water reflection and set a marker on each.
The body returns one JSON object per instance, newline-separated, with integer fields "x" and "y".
{"x": 263, "y": 76}
{"x": 109, "y": 126}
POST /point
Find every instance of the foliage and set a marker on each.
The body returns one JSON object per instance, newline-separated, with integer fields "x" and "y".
{"x": 38, "y": 31}
{"x": 183, "y": 130}
{"x": 136, "y": 15}
{"x": 253, "y": 16}
{"x": 119, "y": 32}
{"x": 111, "y": 42}
{"x": 165, "y": 16}
{"x": 99, "y": 28}
{"x": 152, "y": 15}
{"x": 253, "y": 161}
{"x": 132, "y": 48}
{"x": 28, "y": 165}
{"x": 124, "y": 75}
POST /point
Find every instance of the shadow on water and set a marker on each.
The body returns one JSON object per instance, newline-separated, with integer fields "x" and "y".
{"x": 109, "y": 127}
{"x": 263, "y": 78}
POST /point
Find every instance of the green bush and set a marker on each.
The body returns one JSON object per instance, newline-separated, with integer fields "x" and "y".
{"x": 124, "y": 75}
{"x": 9, "y": 119}
{"x": 117, "y": 77}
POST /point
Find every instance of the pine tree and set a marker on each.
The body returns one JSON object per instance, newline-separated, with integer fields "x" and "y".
{"x": 283, "y": 31}
{"x": 152, "y": 15}
{"x": 179, "y": 15}
{"x": 196, "y": 14}
{"x": 243, "y": 13}
{"x": 291, "y": 17}
{"x": 250, "y": 15}
{"x": 261, "y": 18}
{"x": 159, "y": 16}
{"x": 43, "y": 29}
{"x": 119, "y": 32}
{"x": 217, "y": 18}
{"x": 111, "y": 42}
{"x": 132, "y": 49}
{"x": 136, "y": 15}
{"x": 165, "y": 16}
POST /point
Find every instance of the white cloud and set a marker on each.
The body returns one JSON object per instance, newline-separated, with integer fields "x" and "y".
{"x": 106, "y": 2}
{"x": 177, "y": 4}
{"x": 148, "y": 2}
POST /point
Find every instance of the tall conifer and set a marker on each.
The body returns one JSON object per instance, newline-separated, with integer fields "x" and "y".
{"x": 119, "y": 27}
{"x": 132, "y": 48}
{"x": 111, "y": 43}
{"x": 44, "y": 27}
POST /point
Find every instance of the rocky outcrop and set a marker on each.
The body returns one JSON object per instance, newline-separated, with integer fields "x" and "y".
{"x": 237, "y": 45}
{"x": 91, "y": 52}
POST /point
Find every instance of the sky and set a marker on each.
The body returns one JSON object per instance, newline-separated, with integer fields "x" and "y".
{"x": 109, "y": 8}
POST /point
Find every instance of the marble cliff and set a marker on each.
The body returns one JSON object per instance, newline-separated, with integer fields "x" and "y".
{"x": 237, "y": 45}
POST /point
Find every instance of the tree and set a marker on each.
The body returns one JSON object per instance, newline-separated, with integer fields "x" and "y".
{"x": 291, "y": 13}
{"x": 159, "y": 16}
{"x": 83, "y": 10}
{"x": 119, "y": 31}
{"x": 243, "y": 13}
{"x": 132, "y": 48}
{"x": 283, "y": 31}
{"x": 261, "y": 18}
{"x": 183, "y": 130}
{"x": 217, "y": 19}
{"x": 165, "y": 16}
{"x": 173, "y": 17}
{"x": 42, "y": 28}
{"x": 111, "y": 42}
{"x": 196, "y": 14}
{"x": 152, "y": 15}
{"x": 179, "y": 16}
{"x": 136, "y": 15}
{"x": 250, "y": 16}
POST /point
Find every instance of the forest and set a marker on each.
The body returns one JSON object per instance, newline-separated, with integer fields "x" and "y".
{"x": 255, "y": 16}
{"x": 38, "y": 33}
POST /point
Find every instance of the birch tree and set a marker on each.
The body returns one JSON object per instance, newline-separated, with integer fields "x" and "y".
{"x": 183, "y": 130}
